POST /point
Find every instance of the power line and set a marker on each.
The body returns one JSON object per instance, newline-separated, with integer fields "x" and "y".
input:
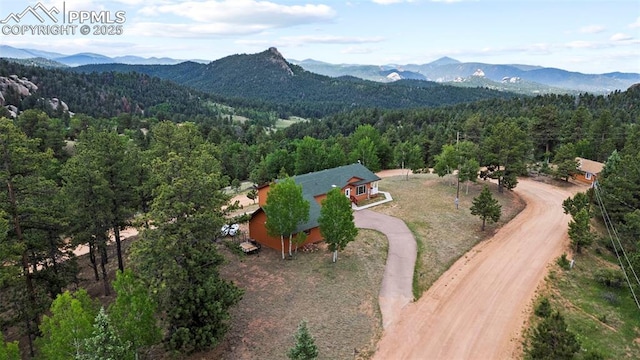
{"x": 613, "y": 233}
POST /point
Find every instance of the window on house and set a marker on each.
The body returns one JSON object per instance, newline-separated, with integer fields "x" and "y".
{"x": 587, "y": 176}
{"x": 361, "y": 189}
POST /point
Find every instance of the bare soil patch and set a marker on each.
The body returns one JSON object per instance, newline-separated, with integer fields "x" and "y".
{"x": 339, "y": 301}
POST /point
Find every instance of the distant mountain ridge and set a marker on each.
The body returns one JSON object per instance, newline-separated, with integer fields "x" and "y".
{"x": 531, "y": 79}
{"x": 80, "y": 59}
{"x": 268, "y": 77}
{"x": 448, "y": 70}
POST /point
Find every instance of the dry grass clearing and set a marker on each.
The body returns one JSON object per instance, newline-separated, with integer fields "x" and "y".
{"x": 426, "y": 203}
{"x": 339, "y": 301}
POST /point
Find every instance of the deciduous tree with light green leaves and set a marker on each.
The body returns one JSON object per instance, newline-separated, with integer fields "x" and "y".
{"x": 461, "y": 156}
{"x": 133, "y": 314}
{"x": 285, "y": 208}
{"x": 64, "y": 333}
{"x": 336, "y": 221}
{"x": 486, "y": 207}
{"x": 9, "y": 350}
{"x": 408, "y": 156}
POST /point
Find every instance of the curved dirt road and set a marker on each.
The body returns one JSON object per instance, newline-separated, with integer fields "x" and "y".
{"x": 477, "y": 308}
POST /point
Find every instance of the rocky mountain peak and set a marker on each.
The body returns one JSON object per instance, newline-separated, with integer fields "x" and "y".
{"x": 278, "y": 59}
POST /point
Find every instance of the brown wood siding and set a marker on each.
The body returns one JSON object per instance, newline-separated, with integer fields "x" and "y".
{"x": 363, "y": 196}
{"x": 258, "y": 232}
{"x": 320, "y": 198}
{"x": 262, "y": 195}
{"x": 582, "y": 177}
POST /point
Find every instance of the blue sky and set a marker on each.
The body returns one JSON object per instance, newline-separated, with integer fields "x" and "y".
{"x": 588, "y": 36}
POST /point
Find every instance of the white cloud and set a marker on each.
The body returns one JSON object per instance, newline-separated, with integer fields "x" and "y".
{"x": 635, "y": 24}
{"x": 357, "y": 50}
{"x": 331, "y": 39}
{"x": 592, "y": 29}
{"x": 193, "y": 30}
{"x": 387, "y": 2}
{"x": 580, "y": 44}
{"x": 225, "y": 18}
{"x": 310, "y": 39}
{"x": 620, "y": 37}
{"x": 241, "y": 12}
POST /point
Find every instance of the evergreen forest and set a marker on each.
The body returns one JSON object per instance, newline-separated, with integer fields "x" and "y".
{"x": 136, "y": 150}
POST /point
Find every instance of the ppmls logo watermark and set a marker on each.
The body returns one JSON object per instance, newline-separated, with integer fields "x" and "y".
{"x": 39, "y": 20}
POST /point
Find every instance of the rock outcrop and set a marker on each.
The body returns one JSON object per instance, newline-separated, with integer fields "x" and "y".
{"x": 14, "y": 89}
{"x": 22, "y": 86}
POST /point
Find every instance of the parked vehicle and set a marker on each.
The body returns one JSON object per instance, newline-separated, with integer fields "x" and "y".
{"x": 224, "y": 231}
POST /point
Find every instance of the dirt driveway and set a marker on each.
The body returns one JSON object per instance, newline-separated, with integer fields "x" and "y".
{"x": 477, "y": 308}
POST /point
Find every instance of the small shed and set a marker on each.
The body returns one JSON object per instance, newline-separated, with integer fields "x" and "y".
{"x": 588, "y": 170}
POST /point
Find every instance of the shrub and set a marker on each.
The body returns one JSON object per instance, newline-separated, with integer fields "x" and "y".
{"x": 611, "y": 298}
{"x": 234, "y": 247}
{"x": 543, "y": 309}
{"x": 551, "y": 340}
{"x": 563, "y": 262}
{"x": 610, "y": 277}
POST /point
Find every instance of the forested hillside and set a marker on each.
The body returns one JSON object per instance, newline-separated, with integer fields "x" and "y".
{"x": 269, "y": 78}
{"x": 109, "y": 94}
{"x": 152, "y": 152}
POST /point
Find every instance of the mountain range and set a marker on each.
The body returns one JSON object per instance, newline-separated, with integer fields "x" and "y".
{"x": 83, "y": 58}
{"x": 527, "y": 79}
{"x": 514, "y": 77}
{"x": 269, "y": 78}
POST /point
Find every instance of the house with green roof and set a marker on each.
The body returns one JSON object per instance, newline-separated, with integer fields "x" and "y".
{"x": 355, "y": 180}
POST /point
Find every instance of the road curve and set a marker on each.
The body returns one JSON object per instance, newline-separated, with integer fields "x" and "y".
{"x": 397, "y": 279}
{"x": 477, "y": 308}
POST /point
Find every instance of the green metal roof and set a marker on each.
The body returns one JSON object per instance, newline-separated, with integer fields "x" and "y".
{"x": 320, "y": 182}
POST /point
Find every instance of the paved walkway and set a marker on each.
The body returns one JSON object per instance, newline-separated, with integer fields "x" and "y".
{"x": 397, "y": 281}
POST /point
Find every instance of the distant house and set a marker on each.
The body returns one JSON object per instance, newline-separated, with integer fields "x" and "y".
{"x": 588, "y": 170}
{"x": 356, "y": 182}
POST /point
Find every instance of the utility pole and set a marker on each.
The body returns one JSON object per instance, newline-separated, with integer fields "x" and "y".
{"x": 457, "y": 200}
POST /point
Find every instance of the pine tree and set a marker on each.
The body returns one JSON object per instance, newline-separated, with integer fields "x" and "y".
{"x": 580, "y": 230}
{"x": 104, "y": 344}
{"x": 551, "y": 340}
{"x": 305, "y": 347}
{"x": 30, "y": 202}
{"x": 178, "y": 258}
{"x": 506, "y": 154}
{"x": 252, "y": 195}
{"x": 486, "y": 206}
